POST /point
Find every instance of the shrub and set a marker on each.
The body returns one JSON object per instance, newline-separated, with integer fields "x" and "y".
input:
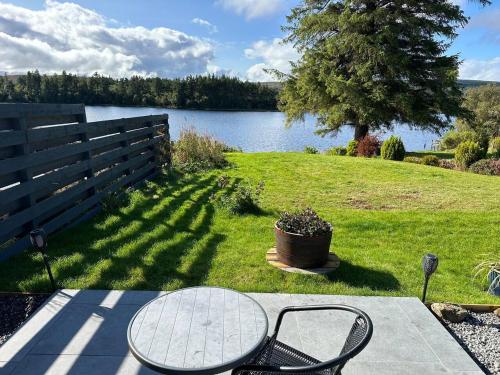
{"x": 489, "y": 167}
{"x": 453, "y": 138}
{"x": 195, "y": 152}
{"x": 413, "y": 159}
{"x": 164, "y": 150}
{"x": 369, "y": 146}
{"x": 352, "y": 148}
{"x": 244, "y": 199}
{"x": 430, "y": 160}
{"x": 339, "y": 150}
{"x": 115, "y": 200}
{"x": 468, "y": 153}
{"x": 227, "y": 148}
{"x": 495, "y": 147}
{"x": 393, "y": 149}
{"x": 306, "y": 222}
{"x": 311, "y": 150}
{"x": 447, "y": 163}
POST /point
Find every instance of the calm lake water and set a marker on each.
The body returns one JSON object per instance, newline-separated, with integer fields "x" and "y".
{"x": 256, "y": 131}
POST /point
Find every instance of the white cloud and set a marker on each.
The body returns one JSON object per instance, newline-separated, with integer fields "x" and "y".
{"x": 488, "y": 70}
{"x": 218, "y": 71}
{"x": 274, "y": 54}
{"x": 252, "y": 8}
{"x": 66, "y": 36}
{"x": 200, "y": 21}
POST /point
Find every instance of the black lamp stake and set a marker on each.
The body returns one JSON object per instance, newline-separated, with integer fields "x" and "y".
{"x": 38, "y": 239}
{"x": 429, "y": 265}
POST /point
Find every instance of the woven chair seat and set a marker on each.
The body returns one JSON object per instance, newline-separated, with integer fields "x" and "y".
{"x": 277, "y": 353}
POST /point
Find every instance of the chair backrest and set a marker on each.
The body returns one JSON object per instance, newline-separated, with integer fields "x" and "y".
{"x": 357, "y": 335}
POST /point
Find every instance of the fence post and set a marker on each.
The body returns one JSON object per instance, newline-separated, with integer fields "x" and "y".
{"x": 87, "y": 156}
{"x": 124, "y": 145}
{"x": 163, "y": 148}
{"x": 153, "y": 148}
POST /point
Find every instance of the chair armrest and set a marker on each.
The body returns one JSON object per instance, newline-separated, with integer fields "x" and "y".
{"x": 309, "y": 308}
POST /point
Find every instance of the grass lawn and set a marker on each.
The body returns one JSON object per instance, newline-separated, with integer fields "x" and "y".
{"x": 386, "y": 216}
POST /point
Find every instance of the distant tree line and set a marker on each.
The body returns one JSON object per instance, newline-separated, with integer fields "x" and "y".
{"x": 192, "y": 92}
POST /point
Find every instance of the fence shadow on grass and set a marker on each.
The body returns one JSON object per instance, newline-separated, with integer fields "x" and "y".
{"x": 359, "y": 276}
{"x": 160, "y": 240}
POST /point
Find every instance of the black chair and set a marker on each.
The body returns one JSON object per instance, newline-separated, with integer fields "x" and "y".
{"x": 279, "y": 358}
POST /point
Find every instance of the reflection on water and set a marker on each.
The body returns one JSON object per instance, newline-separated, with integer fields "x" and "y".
{"x": 256, "y": 131}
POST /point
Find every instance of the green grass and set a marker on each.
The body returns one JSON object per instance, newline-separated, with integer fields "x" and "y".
{"x": 386, "y": 216}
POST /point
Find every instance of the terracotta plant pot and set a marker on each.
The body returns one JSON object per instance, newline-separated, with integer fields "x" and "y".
{"x": 297, "y": 250}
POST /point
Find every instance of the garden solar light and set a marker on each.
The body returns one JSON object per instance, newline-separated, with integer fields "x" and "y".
{"x": 38, "y": 239}
{"x": 429, "y": 265}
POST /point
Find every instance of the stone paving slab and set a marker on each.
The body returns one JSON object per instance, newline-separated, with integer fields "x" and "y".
{"x": 84, "y": 332}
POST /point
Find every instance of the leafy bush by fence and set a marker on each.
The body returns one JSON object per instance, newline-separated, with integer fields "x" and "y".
{"x": 196, "y": 152}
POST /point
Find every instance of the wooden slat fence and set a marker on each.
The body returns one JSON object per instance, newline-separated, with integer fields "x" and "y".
{"x": 55, "y": 167}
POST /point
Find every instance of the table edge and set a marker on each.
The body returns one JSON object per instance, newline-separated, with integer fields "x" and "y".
{"x": 211, "y": 370}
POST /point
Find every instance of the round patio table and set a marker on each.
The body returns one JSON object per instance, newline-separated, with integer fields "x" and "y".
{"x": 197, "y": 331}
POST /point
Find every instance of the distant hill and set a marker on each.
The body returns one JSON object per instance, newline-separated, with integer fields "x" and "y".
{"x": 475, "y": 83}
{"x": 463, "y": 82}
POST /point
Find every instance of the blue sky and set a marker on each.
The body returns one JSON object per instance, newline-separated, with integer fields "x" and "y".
{"x": 175, "y": 38}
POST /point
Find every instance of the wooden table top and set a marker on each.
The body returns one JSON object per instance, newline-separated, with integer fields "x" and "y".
{"x": 202, "y": 330}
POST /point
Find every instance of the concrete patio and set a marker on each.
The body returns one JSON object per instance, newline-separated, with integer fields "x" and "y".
{"x": 84, "y": 332}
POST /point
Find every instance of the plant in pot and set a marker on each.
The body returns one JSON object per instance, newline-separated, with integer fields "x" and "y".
{"x": 490, "y": 270}
{"x": 302, "y": 239}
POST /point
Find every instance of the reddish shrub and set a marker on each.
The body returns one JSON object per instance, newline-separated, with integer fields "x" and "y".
{"x": 369, "y": 146}
{"x": 486, "y": 166}
{"x": 448, "y": 164}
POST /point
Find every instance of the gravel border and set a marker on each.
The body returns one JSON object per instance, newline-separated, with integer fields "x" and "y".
{"x": 15, "y": 308}
{"x": 479, "y": 335}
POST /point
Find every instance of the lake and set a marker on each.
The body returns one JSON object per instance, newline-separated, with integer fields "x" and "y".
{"x": 256, "y": 131}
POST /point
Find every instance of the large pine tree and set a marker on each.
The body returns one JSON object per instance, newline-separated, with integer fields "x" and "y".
{"x": 369, "y": 63}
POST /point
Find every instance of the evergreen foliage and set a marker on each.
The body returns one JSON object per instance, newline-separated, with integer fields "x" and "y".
{"x": 370, "y": 63}
{"x": 467, "y": 153}
{"x": 192, "y": 92}
{"x": 393, "y": 149}
{"x": 352, "y": 148}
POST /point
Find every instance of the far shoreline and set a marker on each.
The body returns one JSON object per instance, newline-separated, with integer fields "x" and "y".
{"x": 187, "y": 109}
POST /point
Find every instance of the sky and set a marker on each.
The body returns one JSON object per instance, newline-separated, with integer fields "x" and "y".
{"x": 175, "y": 38}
